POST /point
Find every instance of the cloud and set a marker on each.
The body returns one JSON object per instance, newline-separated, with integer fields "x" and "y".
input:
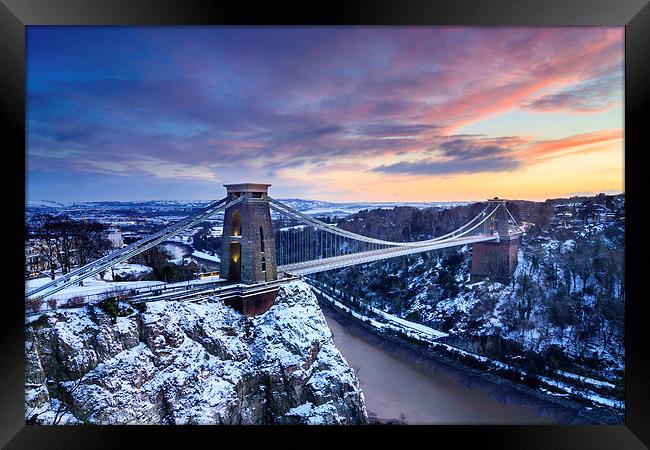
{"x": 594, "y": 193}
{"x": 194, "y": 103}
{"x": 499, "y": 154}
{"x": 459, "y": 156}
{"x": 454, "y": 166}
{"x": 593, "y": 95}
{"x": 389, "y": 129}
{"x": 577, "y": 143}
{"x": 463, "y": 149}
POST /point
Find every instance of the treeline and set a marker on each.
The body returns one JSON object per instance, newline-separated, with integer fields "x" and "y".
{"x": 163, "y": 269}
{"x": 565, "y": 304}
{"x": 65, "y": 243}
{"x": 407, "y": 223}
{"x": 579, "y": 292}
{"x": 406, "y": 286}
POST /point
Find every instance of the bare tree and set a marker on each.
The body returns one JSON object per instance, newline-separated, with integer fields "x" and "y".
{"x": 63, "y": 406}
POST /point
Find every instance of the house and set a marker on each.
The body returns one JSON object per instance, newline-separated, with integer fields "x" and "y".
{"x": 115, "y": 236}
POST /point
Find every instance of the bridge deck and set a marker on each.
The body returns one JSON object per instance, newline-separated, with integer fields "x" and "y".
{"x": 337, "y": 262}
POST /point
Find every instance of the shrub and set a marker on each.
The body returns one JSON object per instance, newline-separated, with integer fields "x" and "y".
{"x": 93, "y": 313}
{"x": 140, "y": 306}
{"x": 40, "y": 322}
{"x": 531, "y": 380}
{"x": 169, "y": 273}
{"x": 414, "y": 316}
{"x": 74, "y": 302}
{"x": 111, "y": 306}
{"x": 555, "y": 358}
{"x": 52, "y": 303}
{"x": 33, "y": 304}
{"x": 120, "y": 294}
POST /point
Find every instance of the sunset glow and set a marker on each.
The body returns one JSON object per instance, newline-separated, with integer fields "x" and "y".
{"x": 328, "y": 113}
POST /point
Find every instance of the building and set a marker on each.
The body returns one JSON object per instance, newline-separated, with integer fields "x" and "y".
{"x": 115, "y": 236}
{"x": 37, "y": 261}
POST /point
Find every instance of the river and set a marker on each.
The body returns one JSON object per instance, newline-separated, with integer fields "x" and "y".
{"x": 399, "y": 384}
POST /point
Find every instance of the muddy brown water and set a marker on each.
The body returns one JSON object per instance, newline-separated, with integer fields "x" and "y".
{"x": 399, "y": 384}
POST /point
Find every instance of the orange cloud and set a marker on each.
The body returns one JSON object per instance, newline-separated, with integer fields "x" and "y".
{"x": 577, "y": 143}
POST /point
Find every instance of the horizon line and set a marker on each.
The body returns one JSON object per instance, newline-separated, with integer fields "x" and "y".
{"x": 568, "y": 196}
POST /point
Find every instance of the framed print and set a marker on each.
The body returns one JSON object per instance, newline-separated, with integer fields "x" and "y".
{"x": 360, "y": 217}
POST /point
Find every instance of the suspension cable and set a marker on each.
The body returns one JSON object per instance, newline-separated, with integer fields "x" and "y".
{"x": 282, "y": 208}
{"x": 514, "y": 221}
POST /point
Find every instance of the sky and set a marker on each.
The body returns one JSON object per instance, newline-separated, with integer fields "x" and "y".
{"x": 328, "y": 113}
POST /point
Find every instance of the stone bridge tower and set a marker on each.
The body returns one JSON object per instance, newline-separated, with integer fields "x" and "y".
{"x": 496, "y": 260}
{"x": 248, "y": 248}
{"x": 248, "y": 253}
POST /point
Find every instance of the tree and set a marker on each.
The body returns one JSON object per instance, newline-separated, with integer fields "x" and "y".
{"x": 582, "y": 263}
{"x": 535, "y": 261}
{"x": 154, "y": 257}
{"x": 525, "y": 286}
{"x": 447, "y": 275}
{"x": 562, "y": 309}
{"x": 48, "y": 251}
{"x": 91, "y": 241}
{"x": 587, "y": 211}
{"x": 550, "y": 274}
{"x": 543, "y": 214}
{"x": 71, "y": 242}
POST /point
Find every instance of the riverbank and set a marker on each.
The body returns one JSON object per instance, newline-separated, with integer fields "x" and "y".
{"x": 469, "y": 374}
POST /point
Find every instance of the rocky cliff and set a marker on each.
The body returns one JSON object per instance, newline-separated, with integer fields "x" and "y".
{"x": 181, "y": 362}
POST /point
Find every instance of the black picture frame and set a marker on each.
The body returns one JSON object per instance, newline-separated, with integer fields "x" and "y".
{"x": 633, "y": 14}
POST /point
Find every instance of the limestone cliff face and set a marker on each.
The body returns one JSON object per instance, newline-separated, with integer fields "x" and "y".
{"x": 180, "y": 362}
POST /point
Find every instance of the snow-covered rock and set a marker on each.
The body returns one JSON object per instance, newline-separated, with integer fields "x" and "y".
{"x": 181, "y": 362}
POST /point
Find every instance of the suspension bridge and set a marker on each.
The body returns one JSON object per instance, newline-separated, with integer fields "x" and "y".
{"x": 256, "y": 255}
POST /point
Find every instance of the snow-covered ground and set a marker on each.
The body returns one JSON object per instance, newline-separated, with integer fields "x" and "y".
{"x": 207, "y": 256}
{"x": 338, "y": 304}
{"x": 597, "y": 383}
{"x": 390, "y": 321}
{"x": 182, "y": 239}
{"x": 127, "y": 270}
{"x": 215, "y": 231}
{"x": 422, "y": 329}
{"x": 92, "y": 286}
{"x": 177, "y": 253}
